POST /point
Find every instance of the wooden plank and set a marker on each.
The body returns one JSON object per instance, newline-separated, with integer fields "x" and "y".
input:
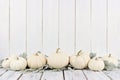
{"x": 18, "y": 26}
{"x": 66, "y": 18}
{"x": 2, "y": 71}
{"x": 50, "y": 26}
{"x": 114, "y": 75}
{"x": 31, "y": 76}
{"x": 91, "y": 75}
{"x": 114, "y": 27}
{"x": 7, "y": 75}
{"x": 83, "y": 28}
{"x": 4, "y": 28}
{"x": 15, "y": 76}
{"x": 52, "y": 75}
{"x": 99, "y": 27}
{"x": 34, "y": 29}
{"x": 74, "y": 75}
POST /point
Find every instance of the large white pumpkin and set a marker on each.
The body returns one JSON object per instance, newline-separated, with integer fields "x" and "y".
{"x": 6, "y": 62}
{"x": 110, "y": 59}
{"x": 18, "y": 64}
{"x": 58, "y": 59}
{"x": 37, "y": 60}
{"x": 96, "y": 64}
{"x": 80, "y": 60}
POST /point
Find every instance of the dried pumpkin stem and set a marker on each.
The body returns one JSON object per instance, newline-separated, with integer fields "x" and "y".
{"x": 109, "y": 55}
{"x": 96, "y": 58}
{"x": 7, "y": 59}
{"x": 79, "y": 52}
{"x": 17, "y": 58}
{"x": 57, "y": 50}
{"x": 39, "y": 52}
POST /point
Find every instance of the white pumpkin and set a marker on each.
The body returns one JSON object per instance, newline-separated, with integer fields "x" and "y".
{"x": 18, "y": 64}
{"x": 58, "y": 59}
{"x": 80, "y": 60}
{"x": 110, "y": 59}
{"x": 96, "y": 64}
{"x": 37, "y": 60}
{"x": 6, "y": 62}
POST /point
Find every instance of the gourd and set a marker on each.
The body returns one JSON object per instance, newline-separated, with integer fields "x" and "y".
{"x": 96, "y": 64}
{"x": 18, "y": 64}
{"x": 110, "y": 62}
{"x": 6, "y": 61}
{"x": 37, "y": 60}
{"x": 111, "y": 59}
{"x": 58, "y": 59}
{"x": 80, "y": 60}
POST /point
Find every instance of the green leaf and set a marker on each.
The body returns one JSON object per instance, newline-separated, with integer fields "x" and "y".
{"x": 1, "y": 63}
{"x": 92, "y": 55}
{"x": 119, "y": 64}
{"x": 24, "y": 55}
{"x": 109, "y": 66}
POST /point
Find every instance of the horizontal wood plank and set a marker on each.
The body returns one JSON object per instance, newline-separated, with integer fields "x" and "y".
{"x": 92, "y": 75}
{"x": 7, "y": 75}
{"x": 2, "y": 71}
{"x": 52, "y": 75}
{"x": 114, "y": 75}
{"x": 30, "y": 76}
{"x": 74, "y": 75}
{"x": 16, "y": 76}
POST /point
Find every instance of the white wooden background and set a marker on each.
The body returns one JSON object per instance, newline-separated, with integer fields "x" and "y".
{"x": 21, "y": 26}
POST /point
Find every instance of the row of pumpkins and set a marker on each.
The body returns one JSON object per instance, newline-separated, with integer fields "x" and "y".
{"x": 59, "y": 60}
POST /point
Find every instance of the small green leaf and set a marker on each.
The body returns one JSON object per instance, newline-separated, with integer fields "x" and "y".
{"x": 24, "y": 55}
{"x": 109, "y": 66}
{"x": 1, "y": 63}
{"x": 119, "y": 64}
{"x": 92, "y": 55}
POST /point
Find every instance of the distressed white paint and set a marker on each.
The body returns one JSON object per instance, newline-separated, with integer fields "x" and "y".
{"x": 74, "y": 75}
{"x": 91, "y": 75}
{"x": 68, "y": 75}
{"x": 51, "y": 75}
{"x": 50, "y": 26}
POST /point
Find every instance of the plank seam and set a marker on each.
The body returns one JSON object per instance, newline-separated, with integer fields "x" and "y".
{"x": 19, "y": 77}
{"x": 41, "y": 76}
{"x": 107, "y": 76}
{"x": 4, "y": 73}
{"x": 63, "y": 75}
{"x": 84, "y": 75}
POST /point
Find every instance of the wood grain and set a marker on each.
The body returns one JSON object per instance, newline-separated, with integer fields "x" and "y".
{"x": 51, "y": 75}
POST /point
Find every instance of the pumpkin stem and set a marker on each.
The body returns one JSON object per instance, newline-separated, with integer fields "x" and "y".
{"x": 79, "y": 52}
{"x": 7, "y": 59}
{"x": 38, "y": 52}
{"x": 96, "y": 58}
{"x": 17, "y": 58}
{"x": 109, "y": 55}
{"x": 58, "y": 49}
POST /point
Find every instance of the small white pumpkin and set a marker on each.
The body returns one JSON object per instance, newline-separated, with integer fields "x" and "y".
{"x": 80, "y": 60}
{"x": 18, "y": 64}
{"x": 110, "y": 59}
{"x": 58, "y": 59}
{"x": 96, "y": 64}
{"x": 37, "y": 60}
{"x": 6, "y": 62}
